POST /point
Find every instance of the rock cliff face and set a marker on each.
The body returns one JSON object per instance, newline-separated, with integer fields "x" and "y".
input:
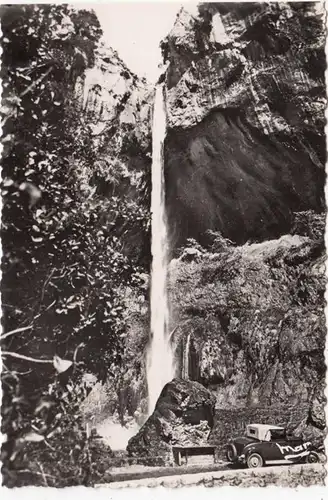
{"x": 245, "y": 101}
{"x": 250, "y": 323}
{"x": 254, "y": 316}
{"x": 115, "y": 100}
{"x": 117, "y": 106}
{"x": 245, "y": 151}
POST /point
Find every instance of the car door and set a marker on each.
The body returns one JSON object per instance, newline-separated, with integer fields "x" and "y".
{"x": 276, "y": 451}
{"x": 298, "y": 449}
{"x": 265, "y": 450}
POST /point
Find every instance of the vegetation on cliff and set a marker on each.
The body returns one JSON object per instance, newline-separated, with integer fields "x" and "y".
{"x": 255, "y": 313}
{"x": 253, "y": 317}
{"x": 68, "y": 232}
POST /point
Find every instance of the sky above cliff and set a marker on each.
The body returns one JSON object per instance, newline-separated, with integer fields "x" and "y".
{"x": 135, "y": 30}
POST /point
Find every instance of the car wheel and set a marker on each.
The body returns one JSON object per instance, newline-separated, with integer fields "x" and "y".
{"x": 312, "y": 458}
{"x": 231, "y": 452}
{"x": 254, "y": 460}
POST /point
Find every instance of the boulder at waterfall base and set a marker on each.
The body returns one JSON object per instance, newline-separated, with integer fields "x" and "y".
{"x": 183, "y": 415}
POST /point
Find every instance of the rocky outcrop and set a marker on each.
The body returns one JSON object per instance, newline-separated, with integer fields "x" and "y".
{"x": 254, "y": 315}
{"x": 114, "y": 100}
{"x": 250, "y": 326}
{"x": 116, "y": 105}
{"x": 183, "y": 416}
{"x": 245, "y": 98}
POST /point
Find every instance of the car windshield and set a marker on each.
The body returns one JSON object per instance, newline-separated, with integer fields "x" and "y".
{"x": 278, "y": 433}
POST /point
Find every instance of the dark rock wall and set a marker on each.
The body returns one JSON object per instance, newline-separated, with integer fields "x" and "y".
{"x": 225, "y": 175}
{"x": 245, "y": 102}
{"x": 244, "y": 154}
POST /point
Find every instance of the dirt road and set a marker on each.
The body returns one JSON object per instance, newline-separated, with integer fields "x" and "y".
{"x": 286, "y": 476}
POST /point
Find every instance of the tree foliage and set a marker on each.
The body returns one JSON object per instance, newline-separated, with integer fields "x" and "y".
{"x": 66, "y": 259}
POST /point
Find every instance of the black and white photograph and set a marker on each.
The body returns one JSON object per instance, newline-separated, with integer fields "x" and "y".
{"x": 163, "y": 270}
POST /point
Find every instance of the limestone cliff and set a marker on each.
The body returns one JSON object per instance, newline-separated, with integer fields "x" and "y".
{"x": 115, "y": 100}
{"x": 245, "y": 151}
{"x": 117, "y": 106}
{"x": 245, "y": 101}
{"x": 244, "y": 157}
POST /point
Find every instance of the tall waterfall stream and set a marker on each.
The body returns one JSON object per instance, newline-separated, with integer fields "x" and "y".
{"x": 160, "y": 359}
{"x": 160, "y": 367}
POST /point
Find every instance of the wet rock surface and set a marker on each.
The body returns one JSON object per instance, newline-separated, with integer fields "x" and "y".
{"x": 183, "y": 416}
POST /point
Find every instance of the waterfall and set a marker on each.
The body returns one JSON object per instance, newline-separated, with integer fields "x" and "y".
{"x": 160, "y": 359}
{"x": 185, "y": 373}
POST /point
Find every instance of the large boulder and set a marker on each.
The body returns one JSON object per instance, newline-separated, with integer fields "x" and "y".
{"x": 183, "y": 416}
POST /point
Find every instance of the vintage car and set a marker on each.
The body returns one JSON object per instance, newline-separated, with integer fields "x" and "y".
{"x": 269, "y": 444}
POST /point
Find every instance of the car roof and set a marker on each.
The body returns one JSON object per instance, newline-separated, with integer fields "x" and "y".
{"x": 266, "y": 426}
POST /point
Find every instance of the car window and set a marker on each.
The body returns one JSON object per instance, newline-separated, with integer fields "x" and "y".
{"x": 278, "y": 434}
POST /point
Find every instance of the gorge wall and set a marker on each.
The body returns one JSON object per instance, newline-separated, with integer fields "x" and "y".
{"x": 245, "y": 97}
{"x": 117, "y": 106}
{"x": 245, "y": 151}
{"x": 244, "y": 161}
{"x": 254, "y": 315}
